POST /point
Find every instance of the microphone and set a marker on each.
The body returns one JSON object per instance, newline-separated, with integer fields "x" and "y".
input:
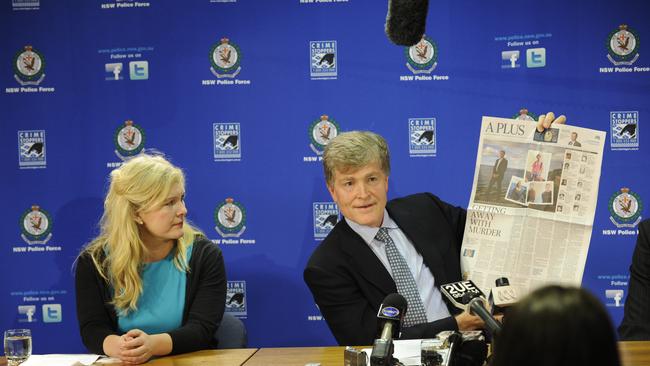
{"x": 502, "y": 296}
{"x": 390, "y": 316}
{"x": 454, "y": 292}
{"x": 465, "y": 295}
{"x": 405, "y": 21}
{"x": 454, "y": 340}
{"x": 461, "y": 349}
{"x": 476, "y": 305}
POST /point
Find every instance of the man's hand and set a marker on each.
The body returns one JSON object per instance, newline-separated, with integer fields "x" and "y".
{"x": 467, "y": 321}
{"x": 546, "y": 120}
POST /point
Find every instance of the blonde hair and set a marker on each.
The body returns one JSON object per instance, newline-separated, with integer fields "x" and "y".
{"x": 140, "y": 184}
{"x": 355, "y": 149}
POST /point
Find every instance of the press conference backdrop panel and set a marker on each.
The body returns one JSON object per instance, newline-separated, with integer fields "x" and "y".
{"x": 243, "y": 95}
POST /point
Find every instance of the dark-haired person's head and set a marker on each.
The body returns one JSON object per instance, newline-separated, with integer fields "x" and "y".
{"x": 557, "y": 326}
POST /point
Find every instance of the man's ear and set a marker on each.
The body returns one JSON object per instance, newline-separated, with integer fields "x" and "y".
{"x": 330, "y": 188}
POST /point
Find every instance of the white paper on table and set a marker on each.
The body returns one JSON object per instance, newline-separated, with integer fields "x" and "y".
{"x": 60, "y": 360}
{"x": 406, "y": 350}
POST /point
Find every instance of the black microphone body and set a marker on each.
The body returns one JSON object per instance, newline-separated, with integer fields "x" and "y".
{"x": 466, "y": 295}
{"x": 389, "y": 319}
{"x": 406, "y": 21}
{"x": 477, "y": 306}
{"x": 455, "y": 339}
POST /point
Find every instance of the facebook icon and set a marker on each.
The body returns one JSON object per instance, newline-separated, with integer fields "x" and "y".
{"x": 52, "y": 313}
{"x": 28, "y": 311}
{"x": 139, "y": 70}
{"x": 536, "y": 57}
{"x": 509, "y": 59}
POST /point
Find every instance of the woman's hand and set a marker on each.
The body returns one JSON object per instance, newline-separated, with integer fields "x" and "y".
{"x": 138, "y": 347}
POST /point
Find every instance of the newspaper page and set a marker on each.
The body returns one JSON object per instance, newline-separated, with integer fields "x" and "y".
{"x": 532, "y": 206}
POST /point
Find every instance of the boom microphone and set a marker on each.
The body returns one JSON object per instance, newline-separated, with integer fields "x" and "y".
{"x": 405, "y": 21}
{"x": 390, "y": 316}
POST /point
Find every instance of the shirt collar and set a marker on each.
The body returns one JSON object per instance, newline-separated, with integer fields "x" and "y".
{"x": 368, "y": 233}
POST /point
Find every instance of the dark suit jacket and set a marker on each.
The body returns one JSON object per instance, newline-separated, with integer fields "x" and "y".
{"x": 502, "y": 168}
{"x": 349, "y": 282}
{"x": 636, "y": 319}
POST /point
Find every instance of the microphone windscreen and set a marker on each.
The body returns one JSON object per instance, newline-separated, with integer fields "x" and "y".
{"x": 396, "y": 300}
{"x": 406, "y": 20}
{"x": 502, "y": 281}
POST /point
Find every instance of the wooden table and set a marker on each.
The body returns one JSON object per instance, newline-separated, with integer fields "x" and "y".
{"x": 326, "y": 356}
{"x": 635, "y": 353}
{"x": 221, "y": 357}
{"x": 632, "y": 354}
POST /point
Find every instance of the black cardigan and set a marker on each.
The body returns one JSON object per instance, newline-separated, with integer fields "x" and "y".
{"x": 205, "y": 299}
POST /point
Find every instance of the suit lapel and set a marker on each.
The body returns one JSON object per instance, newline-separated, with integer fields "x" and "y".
{"x": 365, "y": 261}
{"x": 424, "y": 239}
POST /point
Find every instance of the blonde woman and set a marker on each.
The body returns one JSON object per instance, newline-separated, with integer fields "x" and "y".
{"x": 150, "y": 284}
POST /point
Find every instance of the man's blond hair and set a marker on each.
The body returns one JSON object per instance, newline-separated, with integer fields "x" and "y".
{"x": 353, "y": 150}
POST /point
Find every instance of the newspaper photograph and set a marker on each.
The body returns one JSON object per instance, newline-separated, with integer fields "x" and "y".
{"x": 532, "y": 206}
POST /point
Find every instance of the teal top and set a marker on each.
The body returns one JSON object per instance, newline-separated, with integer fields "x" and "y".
{"x": 161, "y": 305}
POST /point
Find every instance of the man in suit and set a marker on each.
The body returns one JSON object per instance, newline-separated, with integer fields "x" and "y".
{"x": 409, "y": 245}
{"x": 349, "y": 273}
{"x": 636, "y": 319}
{"x": 574, "y": 140}
{"x": 547, "y": 195}
{"x": 498, "y": 170}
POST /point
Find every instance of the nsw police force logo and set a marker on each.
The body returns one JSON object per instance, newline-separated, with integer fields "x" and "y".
{"x": 230, "y": 217}
{"x": 422, "y": 57}
{"x": 29, "y": 66}
{"x": 625, "y": 207}
{"x": 326, "y": 216}
{"x": 323, "y": 58}
{"x": 525, "y": 115}
{"x": 31, "y": 149}
{"x": 422, "y": 137}
{"x": 129, "y": 140}
{"x": 625, "y": 130}
{"x": 236, "y": 298}
{"x": 623, "y": 46}
{"x": 36, "y": 226}
{"x": 227, "y": 142}
{"x": 321, "y": 132}
{"x": 225, "y": 59}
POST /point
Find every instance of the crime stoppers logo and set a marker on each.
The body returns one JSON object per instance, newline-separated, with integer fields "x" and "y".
{"x": 230, "y": 217}
{"x": 625, "y": 130}
{"x": 29, "y": 66}
{"x": 623, "y": 46}
{"x": 225, "y": 58}
{"x": 422, "y": 137}
{"x": 625, "y": 208}
{"x": 236, "y": 298}
{"x": 326, "y": 216}
{"x": 227, "y": 143}
{"x": 321, "y": 132}
{"x": 36, "y": 226}
{"x": 31, "y": 149}
{"x": 422, "y": 57}
{"x": 323, "y": 58}
{"x": 129, "y": 140}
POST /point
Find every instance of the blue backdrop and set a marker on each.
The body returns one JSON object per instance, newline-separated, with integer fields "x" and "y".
{"x": 87, "y": 84}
